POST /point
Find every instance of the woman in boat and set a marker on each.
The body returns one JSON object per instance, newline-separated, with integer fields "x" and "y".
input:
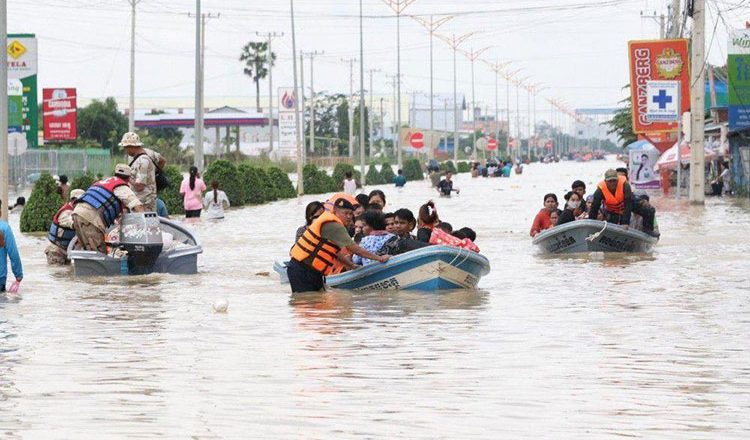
{"x": 375, "y": 235}
{"x": 377, "y": 196}
{"x": 572, "y": 208}
{"x": 542, "y": 220}
{"x": 312, "y": 211}
{"x": 428, "y": 219}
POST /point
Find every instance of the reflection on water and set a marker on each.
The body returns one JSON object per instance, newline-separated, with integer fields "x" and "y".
{"x": 575, "y": 346}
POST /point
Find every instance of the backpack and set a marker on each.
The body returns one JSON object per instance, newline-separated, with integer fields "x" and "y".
{"x": 162, "y": 181}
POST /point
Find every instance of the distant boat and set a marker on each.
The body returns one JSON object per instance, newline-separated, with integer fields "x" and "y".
{"x": 430, "y": 269}
{"x": 592, "y": 236}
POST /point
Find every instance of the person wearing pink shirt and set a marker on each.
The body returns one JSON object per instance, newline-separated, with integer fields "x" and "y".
{"x": 192, "y": 188}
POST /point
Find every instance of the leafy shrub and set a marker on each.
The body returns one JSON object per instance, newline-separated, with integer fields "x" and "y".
{"x": 340, "y": 170}
{"x": 83, "y": 182}
{"x": 386, "y": 172}
{"x": 317, "y": 181}
{"x": 41, "y": 206}
{"x": 413, "y": 170}
{"x": 229, "y": 180}
{"x": 282, "y": 186}
{"x": 256, "y": 184}
{"x": 448, "y": 166}
{"x": 373, "y": 176}
{"x": 464, "y": 167}
{"x": 171, "y": 195}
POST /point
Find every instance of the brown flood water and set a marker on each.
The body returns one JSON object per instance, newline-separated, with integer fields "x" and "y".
{"x": 587, "y": 346}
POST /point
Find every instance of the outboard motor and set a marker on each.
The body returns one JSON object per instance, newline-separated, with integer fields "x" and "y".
{"x": 140, "y": 236}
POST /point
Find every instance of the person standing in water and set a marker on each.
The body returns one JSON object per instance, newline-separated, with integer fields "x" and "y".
{"x": 349, "y": 184}
{"x": 8, "y": 250}
{"x": 216, "y": 202}
{"x": 191, "y": 189}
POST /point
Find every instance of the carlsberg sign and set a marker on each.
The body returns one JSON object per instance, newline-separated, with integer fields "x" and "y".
{"x": 739, "y": 42}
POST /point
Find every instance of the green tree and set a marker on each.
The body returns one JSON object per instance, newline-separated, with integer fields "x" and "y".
{"x": 386, "y": 172}
{"x": 317, "y": 181}
{"x": 102, "y": 122}
{"x": 229, "y": 180}
{"x": 256, "y": 58}
{"x": 373, "y": 176}
{"x": 621, "y": 123}
{"x": 413, "y": 170}
{"x": 83, "y": 181}
{"x": 283, "y": 188}
{"x": 42, "y": 205}
{"x": 171, "y": 195}
{"x": 256, "y": 184}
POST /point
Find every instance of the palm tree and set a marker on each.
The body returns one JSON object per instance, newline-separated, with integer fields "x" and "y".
{"x": 255, "y": 56}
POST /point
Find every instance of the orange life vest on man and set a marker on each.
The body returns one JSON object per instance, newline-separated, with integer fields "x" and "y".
{"x": 614, "y": 203}
{"x": 312, "y": 250}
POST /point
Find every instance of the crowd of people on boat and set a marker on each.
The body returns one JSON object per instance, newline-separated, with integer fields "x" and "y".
{"x": 613, "y": 201}
{"x": 347, "y": 232}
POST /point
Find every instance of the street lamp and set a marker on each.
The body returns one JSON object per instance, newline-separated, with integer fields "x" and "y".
{"x": 454, "y": 42}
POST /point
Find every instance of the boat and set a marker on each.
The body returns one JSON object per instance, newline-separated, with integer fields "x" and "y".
{"x": 431, "y": 268}
{"x": 592, "y": 236}
{"x": 280, "y": 268}
{"x": 152, "y": 243}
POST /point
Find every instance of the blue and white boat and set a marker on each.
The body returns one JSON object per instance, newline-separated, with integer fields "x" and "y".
{"x": 431, "y": 268}
{"x": 592, "y": 236}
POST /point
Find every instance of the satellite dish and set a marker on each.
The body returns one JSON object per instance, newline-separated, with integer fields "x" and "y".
{"x": 17, "y": 144}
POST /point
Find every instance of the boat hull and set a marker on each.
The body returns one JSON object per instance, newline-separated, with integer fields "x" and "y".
{"x": 433, "y": 268}
{"x": 592, "y": 236}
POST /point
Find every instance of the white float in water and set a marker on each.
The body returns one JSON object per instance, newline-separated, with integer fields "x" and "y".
{"x": 221, "y": 305}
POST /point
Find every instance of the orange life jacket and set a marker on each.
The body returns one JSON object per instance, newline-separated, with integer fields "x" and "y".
{"x": 312, "y": 250}
{"x": 614, "y": 203}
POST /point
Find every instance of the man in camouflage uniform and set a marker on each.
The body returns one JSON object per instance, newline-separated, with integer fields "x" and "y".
{"x": 62, "y": 222}
{"x": 143, "y": 165}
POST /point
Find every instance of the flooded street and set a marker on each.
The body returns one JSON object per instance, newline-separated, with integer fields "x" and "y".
{"x": 589, "y": 346}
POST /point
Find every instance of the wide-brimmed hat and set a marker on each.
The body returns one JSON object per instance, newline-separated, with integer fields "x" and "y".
{"x": 131, "y": 139}
{"x": 77, "y": 193}
{"x": 122, "y": 169}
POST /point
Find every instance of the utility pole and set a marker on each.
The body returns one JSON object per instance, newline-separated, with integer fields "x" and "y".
{"x": 297, "y": 131}
{"x": 369, "y": 112}
{"x": 659, "y": 19}
{"x": 497, "y": 67}
{"x": 382, "y": 121}
{"x": 396, "y": 132}
{"x": 472, "y": 56}
{"x": 431, "y": 27}
{"x": 269, "y": 59}
{"x": 362, "y": 99}
{"x": 200, "y": 20}
{"x": 198, "y": 129}
{"x": 350, "y": 106}
{"x": 4, "y": 119}
{"x": 528, "y": 115}
{"x": 697, "y": 72}
{"x": 398, "y": 7}
{"x": 131, "y": 101}
{"x": 454, "y": 42}
{"x": 302, "y": 101}
{"x": 312, "y": 56}
{"x": 675, "y": 30}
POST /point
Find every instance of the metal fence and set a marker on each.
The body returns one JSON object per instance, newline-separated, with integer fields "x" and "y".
{"x": 25, "y": 169}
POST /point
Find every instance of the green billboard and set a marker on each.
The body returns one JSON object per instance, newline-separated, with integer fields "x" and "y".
{"x": 23, "y": 116}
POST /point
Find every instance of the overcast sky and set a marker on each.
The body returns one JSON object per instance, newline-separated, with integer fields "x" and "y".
{"x": 578, "y": 48}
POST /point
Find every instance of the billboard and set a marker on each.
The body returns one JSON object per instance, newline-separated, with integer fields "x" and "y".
{"x": 59, "y": 114}
{"x": 287, "y": 122}
{"x": 21, "y": 56}
{"x": 657, "y": 60}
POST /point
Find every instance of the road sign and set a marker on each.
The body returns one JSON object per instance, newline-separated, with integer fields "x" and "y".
{"x": 492, "y": 144}
{"x": 663, "y": 101}
{"x": 417, "y": 140}
{"x": 548, "y": 145}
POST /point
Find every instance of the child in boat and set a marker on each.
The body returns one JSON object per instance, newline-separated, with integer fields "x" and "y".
{"x": 428, "y": 219}
{"x": 542, "y": 220}
{"x": 389, "y": 222}
{"x": 374, "y": 235}
{"x": 404, "y": 241}
{"x": 553, "y": 217}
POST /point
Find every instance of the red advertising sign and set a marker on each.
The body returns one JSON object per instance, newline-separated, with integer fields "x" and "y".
{"x": 657, "y": 60}
{"x": 59, "y": 109}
